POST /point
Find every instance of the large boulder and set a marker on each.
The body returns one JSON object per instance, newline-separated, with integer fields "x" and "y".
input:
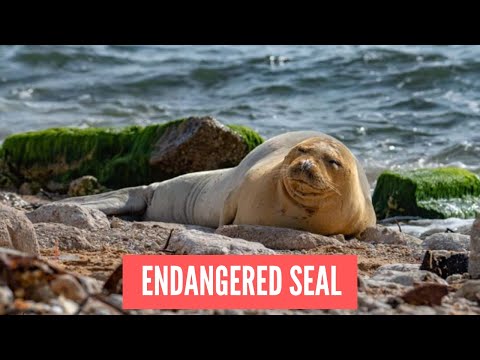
{"x": 474, "y": 261}
{"x": 125, "y": 156}
{"x": 16, "y": 231}
{"x": 429, "y": 193}
{"x": 70, "y": 214}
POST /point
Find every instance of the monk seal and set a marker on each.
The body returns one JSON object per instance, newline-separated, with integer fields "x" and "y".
{"x": 303, "y": 180}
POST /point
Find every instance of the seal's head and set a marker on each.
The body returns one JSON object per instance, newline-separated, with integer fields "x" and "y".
{"x": 318, "y": 170}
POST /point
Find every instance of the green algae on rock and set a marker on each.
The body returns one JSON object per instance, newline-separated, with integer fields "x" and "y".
{"x": 116, "y": 157}
{"x": 428, "y": 193}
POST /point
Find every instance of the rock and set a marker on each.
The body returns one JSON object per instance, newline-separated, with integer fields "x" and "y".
{"x": 382, "y": 235}
{"x": 86, "y": 185}
{"x": 6, "y": 298}
{"x": 121, "y": 157}
{"x": 69, "y": 287}
{"x": 406, "y": 278}
{"x": 70, "y": 214}
{"x": 66, "y": 237}
{"x": 14, "y": 200}
{"x": 399, "y": 267}
{"x": 197, "y": 144}
{"x": 277, "y": 238}
{"x": 91, "y": 285}
{"x": 29, "y": 188}
{"x": 16, "y": 231}
{"x": 56, "y": 187}
{"x": 447, "y": 241}
{"x": 470, "y": 290}
{"x": 474, "y": 264}
{"x": 428, "y": 193}
{"x": 368, "y": 303}
{"x": 430, "y": 294}
{"x": 194, "y": 242}
{"x": 445, "y": 263}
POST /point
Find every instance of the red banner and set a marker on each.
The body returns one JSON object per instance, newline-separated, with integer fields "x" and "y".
{"x": 240, "y": 282}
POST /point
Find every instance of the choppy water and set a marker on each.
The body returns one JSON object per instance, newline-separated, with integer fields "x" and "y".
{"x": 394, "y": 106}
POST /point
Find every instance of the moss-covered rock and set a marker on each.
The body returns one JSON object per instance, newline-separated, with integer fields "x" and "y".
{"x": 428, "y": 193}
{"x": 116, "y": 157}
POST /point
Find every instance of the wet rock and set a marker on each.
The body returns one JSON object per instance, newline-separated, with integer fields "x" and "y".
{"x": 70, "y": 214}
{"x": 16, "y": 231}
{"x": 445, "y": 263}
{"x": 447, "y": 241}
{"x": 65, "y": 237}
{"x": 474, "y": 264}
{"x": 277, "y": 238}
{"x": 470, "y": 290}
{"x": 197, "y": 144}
{"x": 69, "y": 287}
{"x": 86, "y": 185}
{"x": 429, "y": 294}
{"x": 195, "y": 242}
{"x": 434, "y": 193}
{"x": 383, "y": 235}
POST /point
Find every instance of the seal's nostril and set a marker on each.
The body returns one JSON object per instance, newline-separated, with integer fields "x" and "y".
{"x": 306, "y": 165}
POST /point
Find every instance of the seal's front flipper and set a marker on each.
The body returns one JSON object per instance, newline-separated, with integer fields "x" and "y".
{"x": 129, "y": 201}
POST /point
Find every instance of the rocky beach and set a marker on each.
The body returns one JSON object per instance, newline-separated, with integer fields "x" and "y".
{"x": 60, "y": 258}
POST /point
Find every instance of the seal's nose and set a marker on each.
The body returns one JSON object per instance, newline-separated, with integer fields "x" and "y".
{"x": 306, "y": 165}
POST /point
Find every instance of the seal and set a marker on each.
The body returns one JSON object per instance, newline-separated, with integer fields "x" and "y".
{"x": 303, "y": 180}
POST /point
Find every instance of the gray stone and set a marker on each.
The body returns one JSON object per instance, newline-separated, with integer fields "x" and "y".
{"x": 383, "y": 235}
{"x": 277, "y": 238}
{"x": 447, "y": 241}
{"x": 16, "y": 231}
{"x": 69, "y": 287}
{"x": 368, "y": 303}
{"x": 474, "y": 262}
{"x": 407, "y": 277}
{"x": 14, "y": 200}
{"x": 6, "y": 297}
{"x": 91, "y": 285}
{"x": 199, "y": 243}
{"x": 65, "y": 237}
{"x": 445, "y": 263}
{"x": 196, "y": 144}
{"x": 470, "y": 290}
{"x": 399, "y": 267}
{"x": 70, "y": 214}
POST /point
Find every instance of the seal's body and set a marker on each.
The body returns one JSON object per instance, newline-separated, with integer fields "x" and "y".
{"x": 303, "y": 180}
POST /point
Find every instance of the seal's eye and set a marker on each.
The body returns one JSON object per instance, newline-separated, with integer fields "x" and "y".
{"x": 334, "y": 162}
{"x": 302, "y": 150}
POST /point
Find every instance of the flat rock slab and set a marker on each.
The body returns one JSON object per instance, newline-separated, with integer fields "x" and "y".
{"x": 383, "y": 235}
{"x": 66, "y": 237}
{"x": 406, "y": 276}
{"x": 447, "y": 241}
{"x": 194, "y": 242}
{"x": 277, "y": 238}
{"x": 70, "y": 214}
{"x": 16, "y": 231}
{"x": 445, "y": 263}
